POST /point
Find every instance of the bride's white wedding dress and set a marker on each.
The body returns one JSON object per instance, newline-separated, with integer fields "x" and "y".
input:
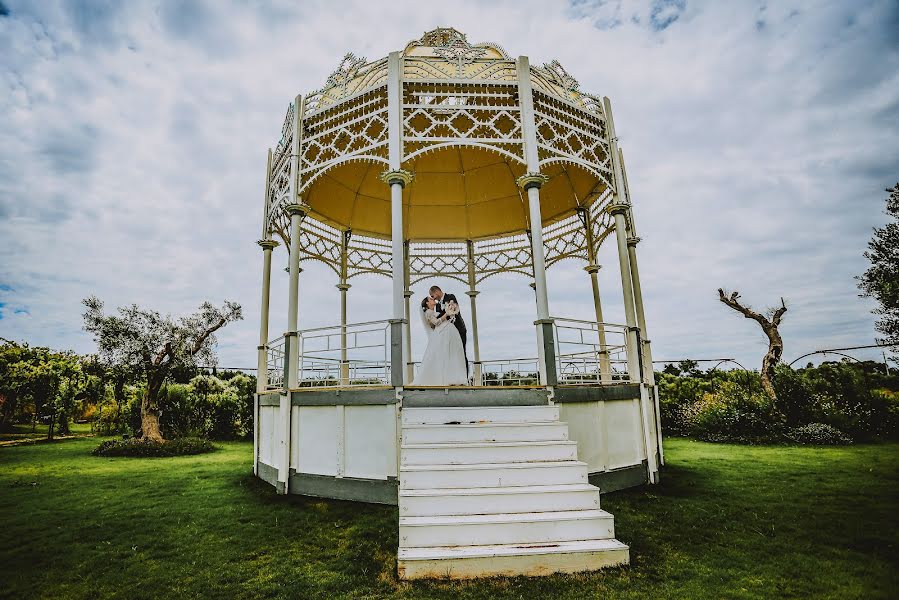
{"x": 443, "y": 362}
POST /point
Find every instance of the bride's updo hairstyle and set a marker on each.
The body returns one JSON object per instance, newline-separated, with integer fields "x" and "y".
{"x": 424, "y": 303}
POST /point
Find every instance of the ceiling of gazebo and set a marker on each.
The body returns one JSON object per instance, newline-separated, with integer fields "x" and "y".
{"x": 458, "y": 193}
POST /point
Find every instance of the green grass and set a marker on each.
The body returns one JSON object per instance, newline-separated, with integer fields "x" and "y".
{"x": 21, "y": 432}
{"x": 726, "y": 522}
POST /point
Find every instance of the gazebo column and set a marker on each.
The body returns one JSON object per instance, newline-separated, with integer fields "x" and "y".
{"x": 344, "y": 287}
{"x": 407, "y": 331}
{"x": 472, "y": 293}
{"x": 531, "y": 182}
{"x": 267, "y": 245}
{"x": 297, "y": 213}
{"x": 262, "y": 350}
{"x": 397, "y": 179}
{"x": 619, "y": 210}
{"x": 592, "y": 268}
{"x": 648, "y": 373}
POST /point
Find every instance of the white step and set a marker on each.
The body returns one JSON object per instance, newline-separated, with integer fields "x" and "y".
{"x": 521, "y": 528}
{"x": 463, "y": 562}
{"x": 487, "y": 452}
{"x": 497, "y": 500}
{"x": 480, "y": 414}
{"x": 485, "y": 432}
{"x": 492, "y": 474}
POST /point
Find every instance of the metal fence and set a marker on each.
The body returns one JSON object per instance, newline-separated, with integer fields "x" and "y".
{"x": 275, "y": 362}
{"x": 588, "y": 352}
{"x": 367, "y": 361}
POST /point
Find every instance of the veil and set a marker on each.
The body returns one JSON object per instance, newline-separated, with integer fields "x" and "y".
{"x": 424, "y": 322}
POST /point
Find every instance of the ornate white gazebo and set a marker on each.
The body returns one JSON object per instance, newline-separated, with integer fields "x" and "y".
{"x": 452, "y": 160}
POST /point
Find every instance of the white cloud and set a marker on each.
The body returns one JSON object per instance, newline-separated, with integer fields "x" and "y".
{"x": 758, "y": 140}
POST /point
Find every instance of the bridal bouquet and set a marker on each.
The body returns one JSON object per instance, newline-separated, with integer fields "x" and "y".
{"x": 452, "y": 309}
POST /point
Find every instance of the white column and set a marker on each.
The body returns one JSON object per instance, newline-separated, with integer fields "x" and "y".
{"x": 472, "y": 293}
{"x": 344, "y": 287}
{"x": 397, "y": 179}
{"x": 531, "y": 183}
{"x": 592, "y": 268}
{"x": 407, "y": 331}
{"x": 297, "y": 212}
{"x": 619, "y": 209}
{"x": 262, "y": 363}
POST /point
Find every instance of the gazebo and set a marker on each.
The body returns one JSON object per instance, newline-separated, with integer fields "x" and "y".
{"x": 450, "y": 159}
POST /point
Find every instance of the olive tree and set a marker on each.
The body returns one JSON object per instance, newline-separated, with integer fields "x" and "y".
{"x": 154, "y": 345}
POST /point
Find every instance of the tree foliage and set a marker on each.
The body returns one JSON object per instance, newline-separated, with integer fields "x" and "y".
{"x": 154, "y": 345}
{"x": 881, "y": 280}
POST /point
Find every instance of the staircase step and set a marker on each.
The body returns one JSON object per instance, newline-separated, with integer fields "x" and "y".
{"x": 487, "y": 452}
{"x": 493, "y": 474}
{"x": 485, "y": 432}
{"x": 520, "y": 528}
{"x": 498, "y": 500}
{"x": 463, "y": 562}
{"x": 479, "y": 414}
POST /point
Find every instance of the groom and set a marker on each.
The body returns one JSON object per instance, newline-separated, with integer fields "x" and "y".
{"x": 442, "y": 299}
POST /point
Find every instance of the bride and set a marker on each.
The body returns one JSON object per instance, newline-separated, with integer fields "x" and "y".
{"x": 443, "y": 362}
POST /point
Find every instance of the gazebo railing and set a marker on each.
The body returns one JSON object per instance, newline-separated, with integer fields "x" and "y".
{"x": 588, "y": 352}
{"x": 275, "y": 362}
{"x": 366, "y": 348}
{"x": 510, "y": 372}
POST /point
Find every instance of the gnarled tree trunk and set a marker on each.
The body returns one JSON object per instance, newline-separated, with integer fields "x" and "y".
{"x": 769, "y": 326}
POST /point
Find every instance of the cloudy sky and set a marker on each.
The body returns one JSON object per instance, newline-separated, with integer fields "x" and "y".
{"x": 759, "y": 139}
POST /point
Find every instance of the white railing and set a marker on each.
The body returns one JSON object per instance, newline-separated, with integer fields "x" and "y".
{"x": 510, "y": 372}
{"x": 367, "y": 363}
{"x": 588, "y": 352}
{"x": 275, "y": 362}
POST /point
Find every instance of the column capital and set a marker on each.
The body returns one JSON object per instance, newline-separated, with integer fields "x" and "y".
{"x": 592, "y": 268}
{"x": 297, "y": 209}
{"x": 299, "y": 269}
{"x": 267, "y": 244}
{"x": 407, "y": 294}
{"x": 618, "y": 208}
{"x": 400, "y": 176}
{"x": 343, "y": 286}
{"x": 472, "y": 293}
{"x": 633, "y": 240}
{"x": 529, "y": 180}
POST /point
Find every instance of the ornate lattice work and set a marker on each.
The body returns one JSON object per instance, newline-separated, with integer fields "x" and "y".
{"x": 356, "y": 129}
{"x": 572, "y": 136}
{"x": 510, "y": 254}
{"x": 553, "y": 79}
{"x": 430, "y": 260}
{"x": 445, "y": 114}
{"x": 352, "y": 76}
{"x": 369, "y": 255}
{"x": 602, "y": 222}
{"x": 565, "y": 239}
{"x": 286, "y": 142}
{"x": 320, "y": 242}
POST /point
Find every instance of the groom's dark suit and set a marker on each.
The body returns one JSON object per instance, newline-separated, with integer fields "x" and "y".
{"x": 459, "y": 322}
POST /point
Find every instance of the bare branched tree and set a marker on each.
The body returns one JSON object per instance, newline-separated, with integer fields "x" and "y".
{"x": 769, "y": 323}
{"x": 153, "y": 345}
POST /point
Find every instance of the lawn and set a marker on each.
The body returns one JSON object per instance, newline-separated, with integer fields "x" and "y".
{"x": 24, "y": 432}
{"x": 726, "y": 522}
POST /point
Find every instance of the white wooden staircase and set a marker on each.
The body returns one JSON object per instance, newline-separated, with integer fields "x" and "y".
{"x": 497, "y": 491}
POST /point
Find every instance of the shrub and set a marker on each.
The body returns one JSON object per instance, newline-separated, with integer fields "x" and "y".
{"x": 733, "y": 413}
{"x": 819, "y": 434}
{"x": 136, "y": 447}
